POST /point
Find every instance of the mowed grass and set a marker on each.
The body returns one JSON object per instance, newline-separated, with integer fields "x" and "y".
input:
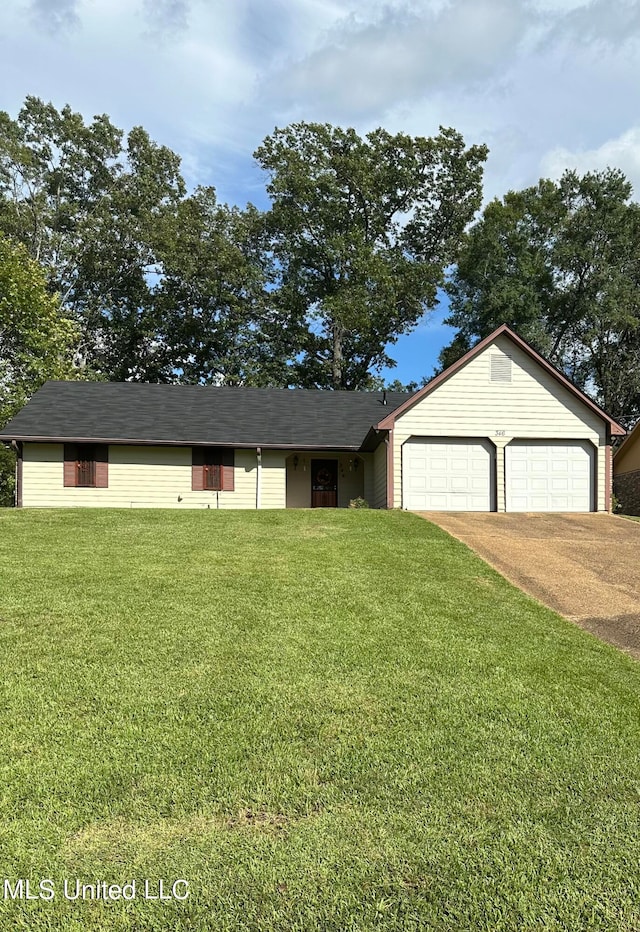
{"x": 319, "y": 719}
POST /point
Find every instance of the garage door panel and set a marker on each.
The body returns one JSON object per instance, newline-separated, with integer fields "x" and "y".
{"x": 459, "y": 484}
{"x": 437, "y": 484}
{"x": 447, "y": 475}
{"x": 418, "y": 484}
{"x": 542, "y": 476}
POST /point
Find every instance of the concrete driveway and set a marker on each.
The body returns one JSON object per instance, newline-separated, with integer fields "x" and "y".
{"x": 586, "y": 567}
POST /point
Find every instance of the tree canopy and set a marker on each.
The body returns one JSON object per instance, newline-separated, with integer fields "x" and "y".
{"x": 173, "y": 286}
{"x": 163, "y": 284}
{"x": 87, "y": 204}
{"x": 361, "y": 231}
{"x": 560, "y": 262}
{"x": 36, "y": 342}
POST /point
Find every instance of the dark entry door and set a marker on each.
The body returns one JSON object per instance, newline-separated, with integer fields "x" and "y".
{"x": 324, "y": 483}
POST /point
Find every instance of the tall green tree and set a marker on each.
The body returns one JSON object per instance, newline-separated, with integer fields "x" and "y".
{"x": 560, "y": 262}
{"x": 37, "y": 341}
{"x": 87, "y": 202}
{"x": 215, "y": 322}
{"x": 361, "y": 231}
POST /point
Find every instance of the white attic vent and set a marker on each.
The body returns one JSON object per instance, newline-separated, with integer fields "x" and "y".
{"x": 500, "y": 367}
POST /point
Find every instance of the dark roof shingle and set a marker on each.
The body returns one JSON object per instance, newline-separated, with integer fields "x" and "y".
{"x": 193, "y": 414}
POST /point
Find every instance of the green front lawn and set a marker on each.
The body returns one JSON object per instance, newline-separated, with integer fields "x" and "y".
{"x": 321, "y": 720}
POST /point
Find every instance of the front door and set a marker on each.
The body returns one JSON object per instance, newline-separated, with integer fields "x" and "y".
{"x": 324, "y": 483}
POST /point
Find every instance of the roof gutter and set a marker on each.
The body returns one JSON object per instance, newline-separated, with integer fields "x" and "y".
{"x": 232, "y": 444}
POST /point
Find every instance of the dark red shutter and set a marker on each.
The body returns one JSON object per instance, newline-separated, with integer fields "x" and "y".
{"x": 213, "y": 457}
{"x": 228, "y": 479}
{"x": 70, "y": 461}
{"x": 197, "y": 469}
{"x": 102, "y": 465}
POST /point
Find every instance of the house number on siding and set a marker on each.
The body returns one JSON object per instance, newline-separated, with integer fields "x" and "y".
{"x": 500, "y": 433}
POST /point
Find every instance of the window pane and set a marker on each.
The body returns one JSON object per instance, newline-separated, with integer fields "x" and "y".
{"x": 86, "y": 465}
{"x": 86, "y": 472}
{"x": 212, "y": 477}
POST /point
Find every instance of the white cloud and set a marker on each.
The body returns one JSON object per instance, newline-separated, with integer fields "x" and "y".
{"x": 54, "y": 16}
{"x": 602, "y": 22}
{"x": 168, "y": 16}
{"x": 366, "y": 68}
{"x": 622, "y": 152}
{"x": 548, "y": 84}
{"x": 528, "y": 77}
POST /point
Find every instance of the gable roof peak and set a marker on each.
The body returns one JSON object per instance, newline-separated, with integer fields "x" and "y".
{"x": 503, "y": 330}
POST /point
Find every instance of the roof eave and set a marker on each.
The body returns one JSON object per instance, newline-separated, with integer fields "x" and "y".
{"x": 238, "y": 445}
{"x": 372, "y": 441}
{"x": 627, "y": 440}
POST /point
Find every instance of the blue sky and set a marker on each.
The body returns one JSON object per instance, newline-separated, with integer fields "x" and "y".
{"x": 546, "y": 84}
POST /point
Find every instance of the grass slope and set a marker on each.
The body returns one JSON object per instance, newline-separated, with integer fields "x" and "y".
{"x": 322, "y": 720}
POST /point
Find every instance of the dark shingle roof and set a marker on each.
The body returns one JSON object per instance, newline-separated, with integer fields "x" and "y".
{"x": 194, "y": 414}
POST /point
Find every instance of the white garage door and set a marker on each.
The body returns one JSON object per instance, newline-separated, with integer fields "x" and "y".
{"x": 543, "y": 476}
{"x": 447, "y": 475}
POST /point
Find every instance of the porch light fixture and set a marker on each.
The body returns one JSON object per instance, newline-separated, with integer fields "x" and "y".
{"x": 295, "y": 461}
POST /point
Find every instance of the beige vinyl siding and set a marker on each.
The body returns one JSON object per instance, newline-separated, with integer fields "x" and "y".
{"x": 628, "y": 460}
{"x": 274, "y": 483}
{"x": 533, "y": 404}
{"x": 298, "y": 482}
{"x": 379, "y": 498}
{"x": 369, "y": 478}
{"x": 139, "y": 477}
{"x": 351, "y": 481}
{"x": 160, "y": 477}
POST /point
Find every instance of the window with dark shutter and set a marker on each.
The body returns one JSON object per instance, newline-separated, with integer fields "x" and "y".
{"x": 86, "y": 465}
{"x": 212, "y": 477}
{"x": 212, "y": 469}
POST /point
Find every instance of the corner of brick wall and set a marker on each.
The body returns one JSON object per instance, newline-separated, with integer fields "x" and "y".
{"x": 626, "y": 489}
